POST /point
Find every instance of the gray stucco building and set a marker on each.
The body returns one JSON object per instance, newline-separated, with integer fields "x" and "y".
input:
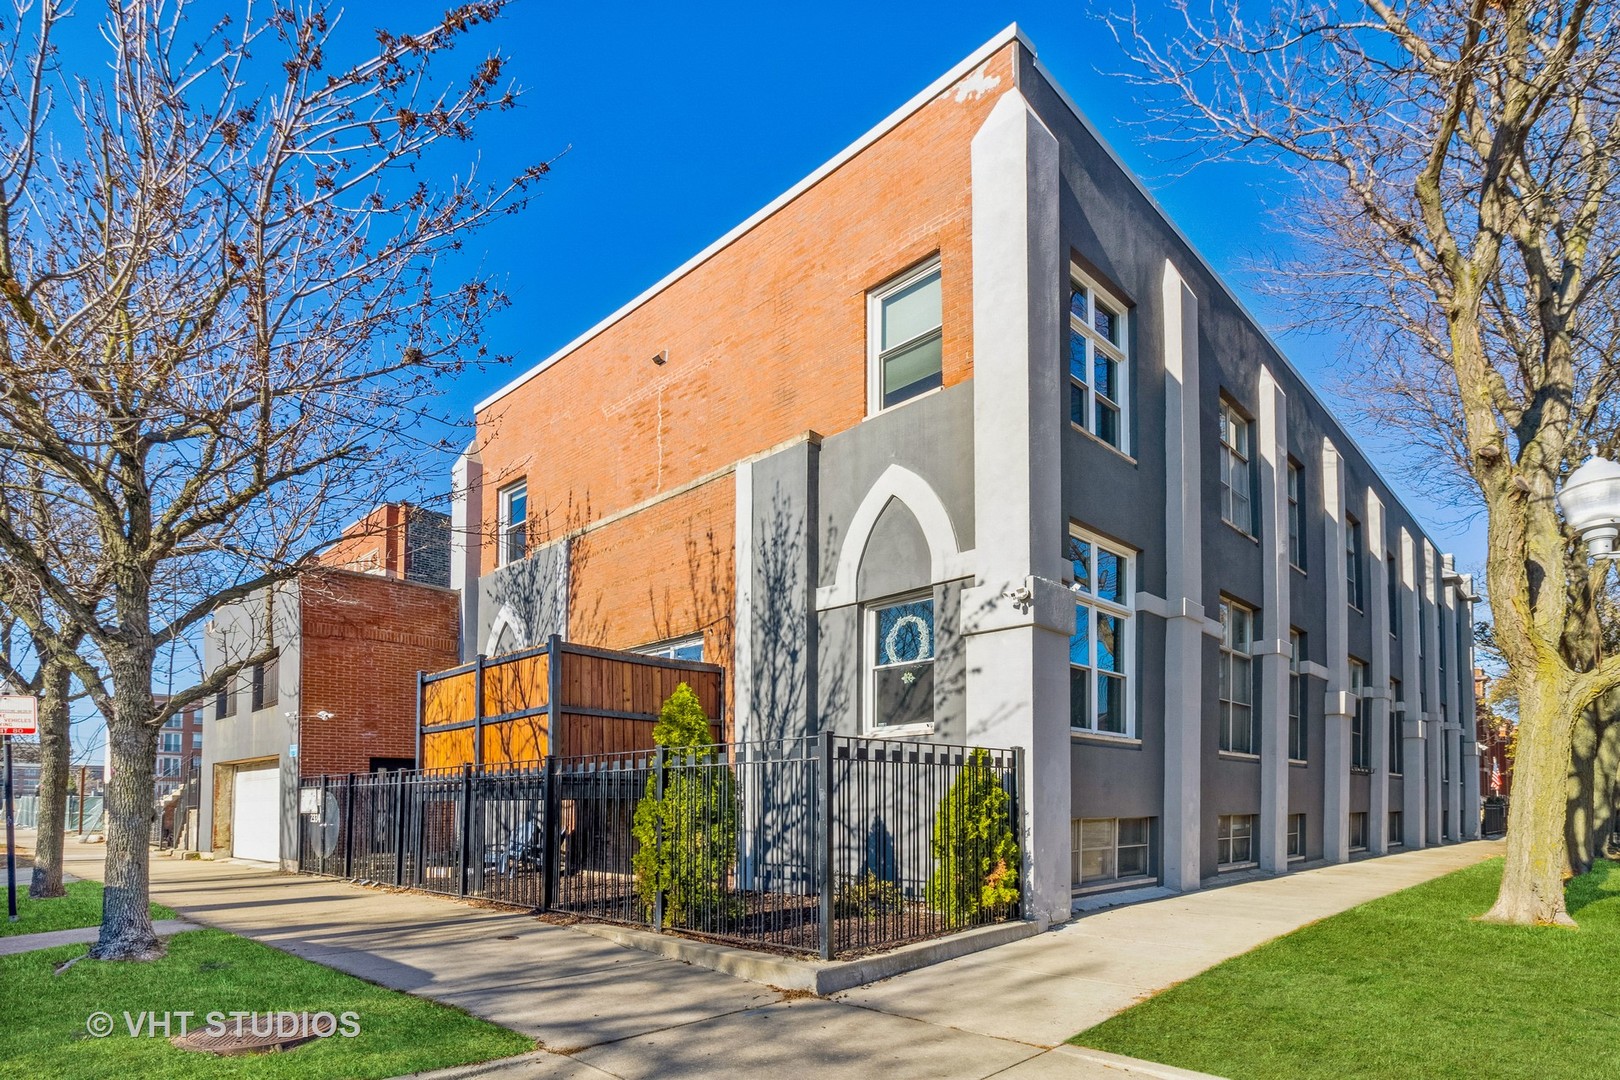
{"x": 996, "y": 457}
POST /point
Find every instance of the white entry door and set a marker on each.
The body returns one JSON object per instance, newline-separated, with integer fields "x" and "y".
{"x": 256, "y": 815}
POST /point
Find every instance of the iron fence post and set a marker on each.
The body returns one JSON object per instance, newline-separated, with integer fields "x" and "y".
{"x": 826, "y": 847}
{"x": 1026, "y": 877}
{"x": 399, "y": 829}
{"x": 658, "y": 838}
{"x": 348, "y": 827}
{"x": 303, "y": 827}
{"x": 466, "y": 828}
{"x": 551, "y": 829}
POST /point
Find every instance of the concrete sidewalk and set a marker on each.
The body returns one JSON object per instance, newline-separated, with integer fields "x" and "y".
{"x": 84, "y": 935}
{"x": 603, "y": 1010}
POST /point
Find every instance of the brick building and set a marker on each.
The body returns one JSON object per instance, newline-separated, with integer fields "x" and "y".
{"x": 179, "y": 750}
{"x": 960, "y": 439}
{"x": 340, "y": 695}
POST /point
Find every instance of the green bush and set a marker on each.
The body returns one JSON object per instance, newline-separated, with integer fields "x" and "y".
{"x": 976, "y": 861}
{"x": 867, "y": 897}
{"x": 687, "y": 840}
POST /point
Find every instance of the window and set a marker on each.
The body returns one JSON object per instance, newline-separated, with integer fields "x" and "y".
{"x": 513, "y": 541}
{"x": 1358, "y": 831}
{"x": 1396, "y": 835}
{"x": 1360, "y": 722}
{"x": 1393, "y": 580}
{"x": 225, "y": 702}
{"x": 902, "y": 675}
{"x": 1440, "y": 614}
{"x": 173, "y": 721}
{"x": 1234, "y": 845}
{"x": 1098, "y": 364}
{"x": 1423, "y": 666}
{"x": 1110, "y": 849}
{"x": 1296, "y": 514}
{"x": 1297, "y": 687}
{"x": 196, "y": 740}
{"x": 1237, "y": 678}
{"x": 1100, "y": 651}
{"x": 1296, "y": 836}
{"x": 1352, "y": 561}
{"x": 266, "y": 683}
{"x": 906, "y": 332}
{"x": 686, "y": 648}
{"x": 1237, "y": 504}
{"x": 1397, "y": 744}
{"x": 168, "y": 766}
{"x": 171, "y": 742}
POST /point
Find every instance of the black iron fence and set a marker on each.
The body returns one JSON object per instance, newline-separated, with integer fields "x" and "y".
{"x": 1493, "y": 817}
{"x": 826, "y": 846}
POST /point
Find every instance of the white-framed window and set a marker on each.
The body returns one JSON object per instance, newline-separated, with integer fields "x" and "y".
{"x": 1099, "y": 362}
{"x": 1101, "y": 650}
{"x": 1393, "y": 582}
{"x": 1297, "y": 695}
{"x": 1234, "y": 844}
{"x": 1237, "y": 481}
{"x": 900, "y": 659}
{"x": 1360, "y": 720}
{"x": 513, "y": 542}
{"x": 1296, "y": 515}
{"x": 1110, "y": 849}
{"x": 1296, "y": 836}
{"x": 1396, "y": 835}
{"x": 1397, "y": 744}
{"x": 1354, "y": 571}
{"x": 682, "y": 648}
{"x": 168, "y": 766}
{"x": 1237, "y": 679}
{"x": 1358, "y": 831}
{"x": 171, "y": 742}
{"x": 196, "y": 740}
{"x": 905, "y": 333}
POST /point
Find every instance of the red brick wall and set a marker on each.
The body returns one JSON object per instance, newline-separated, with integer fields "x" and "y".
{"x": 364, "y": 638}
{"x": 373, "y": 545}
{"x": 765, "y": 340}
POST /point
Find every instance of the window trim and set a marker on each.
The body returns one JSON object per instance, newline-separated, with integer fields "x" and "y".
{"x": 505, "y": 524}
{"x": 1227, "y": 602}
{"x": 1229, "y": 823}
{"x": 1244, "y": 423}
{"x": 666, "y": 648}
{"x": 1355, "y": 554}
{"x": 1297, "y": 531}
{"x": 1361, "y": 719}
{"x": 1296, "y": 853}
{"x": 1089, "y": 605}
{"x": 1298, "y": 685}
{"x": 1076, "y": 848}
{"x": 874, "y": 333}
{"x": 869, "y": 666}
{"x": 1119, "y": 353}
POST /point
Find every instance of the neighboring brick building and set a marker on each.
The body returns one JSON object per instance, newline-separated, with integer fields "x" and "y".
{"x": 1495, "y": 737}
{"x": 960, "y": 439}
{"x": 340, "y": 696}
{"x": 179, "y": 746}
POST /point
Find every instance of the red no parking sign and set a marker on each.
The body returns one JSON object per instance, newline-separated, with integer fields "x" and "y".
{"x": 19, "y": 715}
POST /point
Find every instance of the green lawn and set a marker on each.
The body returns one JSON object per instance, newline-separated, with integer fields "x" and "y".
{"x": 1406, "y": 986}
{"x": 44, "y": 1015}
{"x": 80, "y": 907}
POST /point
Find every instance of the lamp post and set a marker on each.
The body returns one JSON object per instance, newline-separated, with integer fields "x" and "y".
{"x": 1590, "y": 502}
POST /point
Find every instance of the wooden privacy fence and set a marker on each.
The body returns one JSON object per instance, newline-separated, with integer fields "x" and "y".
{"x": 558, "y": 699}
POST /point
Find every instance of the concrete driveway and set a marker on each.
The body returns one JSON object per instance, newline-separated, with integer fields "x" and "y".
{"x": 598, "y": 1009}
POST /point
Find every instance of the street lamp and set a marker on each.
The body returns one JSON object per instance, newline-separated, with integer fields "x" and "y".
{"x": 1591, "y": 505}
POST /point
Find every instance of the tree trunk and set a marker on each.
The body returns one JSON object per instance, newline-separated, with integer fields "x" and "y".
{"x": 126, "y": 920}
{"x": 1533, "y": 875}
{"x": 54, "y": 751}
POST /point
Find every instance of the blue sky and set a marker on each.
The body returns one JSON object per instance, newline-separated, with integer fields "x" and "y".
{"x": 670, "y": 124}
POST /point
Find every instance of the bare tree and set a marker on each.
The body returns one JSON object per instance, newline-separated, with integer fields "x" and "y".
{"x": 228, "y": 287}
{"x": 38, "y": 649}
{"x": 1456, "y": 164}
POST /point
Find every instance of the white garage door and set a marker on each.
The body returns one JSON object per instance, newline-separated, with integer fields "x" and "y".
{"x": 256, "y": 815}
